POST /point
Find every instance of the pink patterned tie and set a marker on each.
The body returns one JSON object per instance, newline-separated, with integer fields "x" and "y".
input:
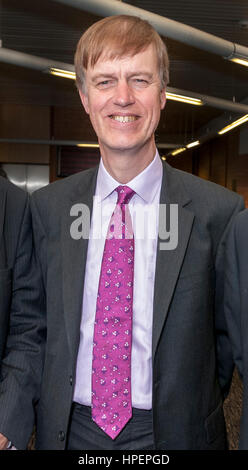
{"x": 111, "y": 366}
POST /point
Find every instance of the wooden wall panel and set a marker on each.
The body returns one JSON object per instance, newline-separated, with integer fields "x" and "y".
{"x": 218, "y": 160}
{"x": 183, "y": 161}
{"x": 239, "y": 176}
{"x": 24, "y": 153}
{"x": 24, "y": 121}
{"x": 72, "y": 124}
{"x": 232, "y": 163}
{"x": 203, "y": 156}
{"x": 218, "y": 157}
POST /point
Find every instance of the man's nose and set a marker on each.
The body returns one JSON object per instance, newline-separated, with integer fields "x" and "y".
{"x": 123, "y": 94}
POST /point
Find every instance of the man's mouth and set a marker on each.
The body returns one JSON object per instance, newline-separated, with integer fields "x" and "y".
{"x": 124, "y": 118}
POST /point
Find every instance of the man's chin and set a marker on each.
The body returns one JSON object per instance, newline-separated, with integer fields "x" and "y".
{"x": 122, "y": 147}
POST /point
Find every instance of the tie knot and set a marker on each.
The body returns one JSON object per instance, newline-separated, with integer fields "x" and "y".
{"x": 124, "y": 194}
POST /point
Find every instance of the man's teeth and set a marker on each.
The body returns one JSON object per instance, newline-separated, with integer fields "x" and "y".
{"x": 124, "y": 118}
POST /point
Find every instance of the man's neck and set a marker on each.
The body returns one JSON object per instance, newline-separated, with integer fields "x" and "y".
{"x": 124, "y": 166}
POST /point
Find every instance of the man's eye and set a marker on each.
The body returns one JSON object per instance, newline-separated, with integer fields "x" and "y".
{"x": 104, "y": 83}
{"x": 140, "y": 82}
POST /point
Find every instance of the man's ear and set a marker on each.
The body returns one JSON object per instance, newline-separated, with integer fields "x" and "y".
{"x": 163, "y": 98}
{"x": 84, "y": 101}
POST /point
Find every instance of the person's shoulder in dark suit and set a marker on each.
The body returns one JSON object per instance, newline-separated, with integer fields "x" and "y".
{"x": 241, "y": 230}
{"x": 236, "y": 308}
{"x": 50, "y": 200}
{"x": 65, "y": 186}
{"x": 16, "y": 198}
{"x": 236, "y": 287}
{"x": 13, "y": 201}
{"x": 11, "y": 188}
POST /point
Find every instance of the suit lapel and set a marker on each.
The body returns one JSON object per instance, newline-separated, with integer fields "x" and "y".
{"x": 169, "y": 262}
{"x": 74, "y": 254}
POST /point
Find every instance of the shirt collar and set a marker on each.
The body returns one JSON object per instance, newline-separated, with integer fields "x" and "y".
{"x": 145, "y": 184}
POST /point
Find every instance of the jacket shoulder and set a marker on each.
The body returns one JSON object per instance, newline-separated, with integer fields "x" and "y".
{"x": 16, "y": 198}
{"x": 12, "y": 190}
{"x": 241, "y": 226}
{"x": 62, "y": 189}
{"x": 54, "y": 200}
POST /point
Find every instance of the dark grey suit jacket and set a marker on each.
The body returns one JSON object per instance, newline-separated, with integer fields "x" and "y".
{"x": 13, "y": 204}
{"x": 21, "y": 327}
{"x": 236, "y": 307}
{"x": 192, "y": 361}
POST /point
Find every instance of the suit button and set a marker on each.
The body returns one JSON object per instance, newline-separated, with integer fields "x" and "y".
{"x": 71, "y": 380}
{"x": 61, "y": 436}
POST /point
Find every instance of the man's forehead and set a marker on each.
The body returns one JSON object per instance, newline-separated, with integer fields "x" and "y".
{"x": 109, "y": 60}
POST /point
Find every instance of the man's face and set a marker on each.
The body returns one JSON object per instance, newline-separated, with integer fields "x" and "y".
{"x": 124, "y": 99}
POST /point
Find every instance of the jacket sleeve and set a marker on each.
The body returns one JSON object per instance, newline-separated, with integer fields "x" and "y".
{"x": 21, "y": 368}
{"x": 236, "y": 290}
{"x": 223, "y": 343}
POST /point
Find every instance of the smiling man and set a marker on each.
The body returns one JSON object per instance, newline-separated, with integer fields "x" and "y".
{"x": 137, "y": 351}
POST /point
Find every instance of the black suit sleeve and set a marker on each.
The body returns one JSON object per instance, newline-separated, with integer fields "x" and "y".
{"x": 22, "y": 364}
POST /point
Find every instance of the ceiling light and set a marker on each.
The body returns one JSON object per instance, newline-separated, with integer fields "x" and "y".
{"x": 177, "y": 151}
{"x": 234, "y": 124}
{"x": 88, "y": 145}
{"x": 240, "y": 61}
{"x": 184, "y": 99}
{"x": 193, "y": 144}
{"x": 62, "y": 73}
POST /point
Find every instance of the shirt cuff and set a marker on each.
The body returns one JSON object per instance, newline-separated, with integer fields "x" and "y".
{"x": 10, "y": 446}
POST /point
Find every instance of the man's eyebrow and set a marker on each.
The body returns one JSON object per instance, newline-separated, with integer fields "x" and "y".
{"x": 138, "y": 74}
{"x": 101, "y": 76}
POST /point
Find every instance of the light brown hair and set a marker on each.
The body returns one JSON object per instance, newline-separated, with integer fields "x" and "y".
{"x": 118, "y": 36}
